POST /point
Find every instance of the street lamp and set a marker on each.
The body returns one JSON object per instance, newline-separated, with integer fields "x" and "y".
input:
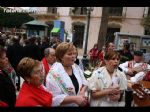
{"x": 85, "y": 60}
{"x": 89, "y": 9}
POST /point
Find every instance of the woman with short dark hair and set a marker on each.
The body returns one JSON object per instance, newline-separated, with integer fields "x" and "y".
{"x": 107, "y": 83}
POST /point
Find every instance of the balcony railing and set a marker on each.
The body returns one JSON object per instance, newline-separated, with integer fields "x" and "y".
{"x": 78, "y": 12}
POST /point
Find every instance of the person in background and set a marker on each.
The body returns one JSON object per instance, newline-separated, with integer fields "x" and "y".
{"x": 107, "y": 83}
{"x": 32, "y": 92}
{"x": 79, "y": 61}
{"x": 65, "y": 79}
{"x": 48, "y": 60}
{"x": 7, "y": 87}
{"x": 32, "y": 50}
{"x": 44, "y": 45}
{"x": 136, "y": 68}
{"x": 108, "y": 47}
{"x": 94, "y": 55}
{"x": 125, "y": 53}
{"x": 135, "y": 71}
{"x": 15, "y": 53}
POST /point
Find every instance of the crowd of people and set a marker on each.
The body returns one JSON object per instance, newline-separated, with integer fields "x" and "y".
{"x": 53, "y": 75}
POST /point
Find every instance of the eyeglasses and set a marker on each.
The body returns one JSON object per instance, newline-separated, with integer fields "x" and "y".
{"x": 38, "y": 70}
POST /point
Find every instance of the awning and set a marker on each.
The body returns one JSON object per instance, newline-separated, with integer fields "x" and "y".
{"x": 36, "y": 22}
{"x": 55, "y": 30}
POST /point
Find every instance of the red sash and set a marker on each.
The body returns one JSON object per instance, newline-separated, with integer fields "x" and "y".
{"x": 46, "y": 68}
{"x": 33, "y": 96}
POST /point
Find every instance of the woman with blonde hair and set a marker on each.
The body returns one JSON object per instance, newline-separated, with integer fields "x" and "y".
{"x": 65, "y": 79}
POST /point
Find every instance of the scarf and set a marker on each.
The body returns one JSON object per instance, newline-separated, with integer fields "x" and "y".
{"x": 32, "y": 96}
{"x": 46, "y": 68}
{"x": 11, "y": 73}
{"x": 46, "y": 65}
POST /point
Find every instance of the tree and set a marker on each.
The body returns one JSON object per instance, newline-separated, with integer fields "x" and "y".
{"x": 14, "y": 19}
{"x": 146, "y": 24}
{"x": 103, "y": 28}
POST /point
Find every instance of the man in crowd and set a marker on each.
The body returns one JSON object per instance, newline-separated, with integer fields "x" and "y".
{"x": 48, "y": 60}
{"x": 135, "y": 71}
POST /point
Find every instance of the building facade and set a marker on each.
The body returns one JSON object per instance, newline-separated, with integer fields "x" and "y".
{"x": 121, "y": 19}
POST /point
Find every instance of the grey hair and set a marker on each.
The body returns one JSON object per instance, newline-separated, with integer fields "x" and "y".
{"x": 47, "y": 51}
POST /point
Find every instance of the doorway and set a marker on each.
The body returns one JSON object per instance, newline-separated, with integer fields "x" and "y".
{"x": 110, "y": 34}
{"x": 78, "y": 35}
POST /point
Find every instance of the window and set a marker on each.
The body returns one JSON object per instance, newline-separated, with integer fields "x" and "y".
{"x": 146, "y": 32}
{"x": 110, "y": 34}
{"x": 52, "y": 10}
{"x": 79, "y": 10}
{"x": 78, "y": 35}
{"x": 115, "y": 11}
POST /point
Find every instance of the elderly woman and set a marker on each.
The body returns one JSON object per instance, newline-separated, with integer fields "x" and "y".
{"x": 7, "y": 87}
{"x": 107, "y": 83}
{"x": 65, "y": 79}
{"x": 32, "y": 92}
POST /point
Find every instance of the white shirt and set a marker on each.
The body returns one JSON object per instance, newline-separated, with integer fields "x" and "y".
{"x": 139, "y": 76}
{"x": 100, "y": 80}
{"x": 52, "y": 84}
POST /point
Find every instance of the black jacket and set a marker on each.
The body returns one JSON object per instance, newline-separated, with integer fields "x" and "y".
{"x": 33, "y": 51}
{"x": 7, "y": 89}
{"x": 15, "y": 53}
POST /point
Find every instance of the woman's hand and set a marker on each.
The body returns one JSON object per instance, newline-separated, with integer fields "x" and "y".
{"x": 130, "y": 72}
{"x": 81, "y": 100}
{"x": 114, "y": 97}
{"x": 114, "y": 93}
{"x": 82, "y": 93}
{"x": 112, "y": 90}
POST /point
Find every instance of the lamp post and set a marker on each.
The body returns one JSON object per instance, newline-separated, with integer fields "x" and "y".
{"x": 89, "y": 10}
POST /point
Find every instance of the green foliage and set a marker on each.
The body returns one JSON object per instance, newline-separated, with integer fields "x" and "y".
{"x": 146, "y": 23}
{"x": 15, "y": 19}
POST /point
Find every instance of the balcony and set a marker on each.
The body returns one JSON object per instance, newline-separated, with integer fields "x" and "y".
{"x": 45, "y": 15}
{"x": 116, "y": 14}
{"x": 78, "y": 12}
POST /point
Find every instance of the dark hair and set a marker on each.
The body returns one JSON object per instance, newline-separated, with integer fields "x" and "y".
{"x": 107, "y": 45}
{"x": 127, "y": 46}
{"x": 111, "y": 54}
{"x": 138, "y": 53}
